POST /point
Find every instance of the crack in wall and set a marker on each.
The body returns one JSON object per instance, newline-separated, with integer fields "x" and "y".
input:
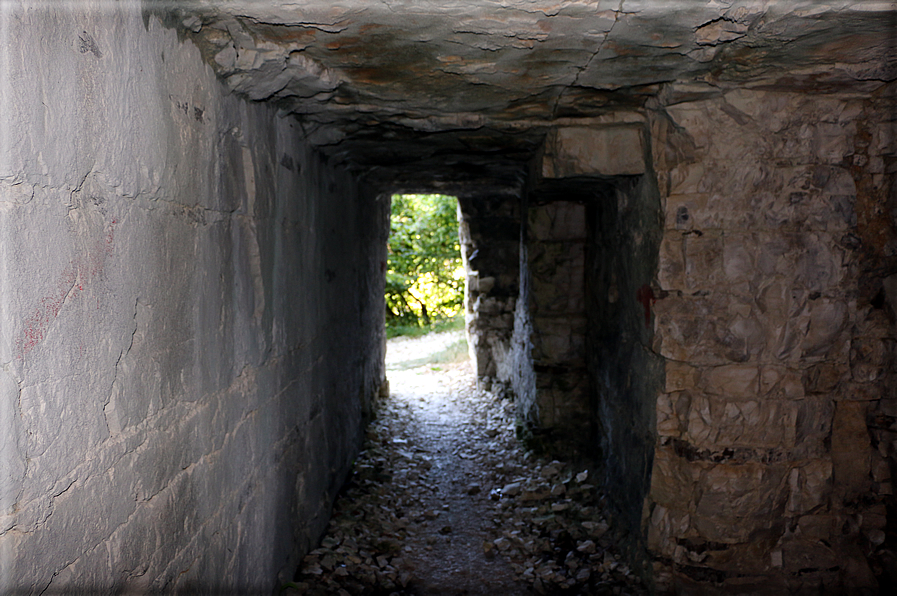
{"x": 588, "y": 63}
{"x": 110, "y": 414}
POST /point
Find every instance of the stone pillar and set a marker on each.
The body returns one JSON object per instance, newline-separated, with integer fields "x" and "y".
{"x": 490, "y": 245}
{"x": 775, "y": 426}
{"x": 558, "y": 381}
{"x": 555, "y": 258}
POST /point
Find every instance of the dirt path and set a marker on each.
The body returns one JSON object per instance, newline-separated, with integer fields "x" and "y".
{"x": 443, "y": 500}
{"x": 449, "y": 424}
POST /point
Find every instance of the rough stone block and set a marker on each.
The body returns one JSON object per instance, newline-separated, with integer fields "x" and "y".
{"x": 820, "y": 526}
{"x": 12, "y": 446}
{"x": 606, "y": 151}
{"x": 824, "y": 377}
{"x": 738, "y": 259}
{"x": 703, "y": 260}
{"x": 819, "y": 197}
{"x": 717, "y": 424}
{"x": 686, "y": 212}
{"x": 558, "y": 340}
{"x": 739, "y": 560}
{"x": 781, "y": 382}
{"x": 558, "y": 278}
{"x": 558, "y": 220}
{"x": 784, "y": 320}
{"x": 814, "y": 423}
{"x": 851, "y": 450}
{"x": 679, "y": 376}
{"x": 671, "y": 268}
{"x": 862, "y": 392}
{"x": 673, "y": 479}
{"x": 686, "y": 179}
{"x": 735, "y": 500}
{"x": 734, "y": 381}
{"x": 799, "y": 554}
{"x": 869, "y": 359}
{"x": 665, "y": 525}
{"x": 707, "y": 330}
{"x": 565, "y": 408}
{"x": 827, "y": 321}
{"x": 809, "y": 486}
{"x": 671, "y": 413}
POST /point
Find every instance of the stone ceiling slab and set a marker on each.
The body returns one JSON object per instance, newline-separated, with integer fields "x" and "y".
{"x": 351, "y": 65}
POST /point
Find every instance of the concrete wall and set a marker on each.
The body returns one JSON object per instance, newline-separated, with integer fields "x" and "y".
{"x": 190, "y": 315}
{"x": 776, "y": 426}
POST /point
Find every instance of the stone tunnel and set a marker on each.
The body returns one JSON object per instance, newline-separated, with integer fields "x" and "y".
{"x": 679, "y": 221}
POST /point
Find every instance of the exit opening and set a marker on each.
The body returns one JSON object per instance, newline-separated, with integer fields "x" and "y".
{"x": 425, "y": 272}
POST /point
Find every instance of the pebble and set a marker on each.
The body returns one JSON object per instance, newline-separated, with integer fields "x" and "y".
{"x": 547, "y": 522}
{"x": 511, "y": 490}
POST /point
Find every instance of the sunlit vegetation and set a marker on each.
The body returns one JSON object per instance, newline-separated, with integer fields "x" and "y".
{"x": 425, "y": 276}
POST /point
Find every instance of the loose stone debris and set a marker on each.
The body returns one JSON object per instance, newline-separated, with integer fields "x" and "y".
{"x": 444, "y": 500}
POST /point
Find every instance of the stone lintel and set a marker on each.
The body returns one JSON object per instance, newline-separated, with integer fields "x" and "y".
{"x": 605, "y": 151}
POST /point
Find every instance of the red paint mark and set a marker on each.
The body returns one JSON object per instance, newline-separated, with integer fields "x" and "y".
{"x": 645, "y": 295}
{"x": 77, "y": 275}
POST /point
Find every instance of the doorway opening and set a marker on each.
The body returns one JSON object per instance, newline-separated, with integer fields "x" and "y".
{"x": 425, "y": 273}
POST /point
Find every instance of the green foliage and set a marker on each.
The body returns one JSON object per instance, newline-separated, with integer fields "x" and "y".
{"x": 424, "y": 277}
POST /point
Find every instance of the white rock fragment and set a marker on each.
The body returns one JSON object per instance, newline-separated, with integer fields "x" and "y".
{"x": 511, "y": 490}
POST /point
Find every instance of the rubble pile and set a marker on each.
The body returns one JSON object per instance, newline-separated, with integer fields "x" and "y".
{"x": 543, "y": 518}
{"x": 550, "y": 526}
{"x": 377, "y": 509}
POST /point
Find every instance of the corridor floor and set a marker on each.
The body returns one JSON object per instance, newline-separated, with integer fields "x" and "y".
{"x": 443, "y": 500}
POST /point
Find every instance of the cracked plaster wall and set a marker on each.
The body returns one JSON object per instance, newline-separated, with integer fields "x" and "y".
{"x": 190, "y": 322}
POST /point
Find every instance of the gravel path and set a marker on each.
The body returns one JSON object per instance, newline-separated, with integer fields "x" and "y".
{"x": 444, "y": 501}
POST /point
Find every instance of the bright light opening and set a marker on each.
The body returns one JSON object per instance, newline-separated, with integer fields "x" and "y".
{"x": 425, "y": 274}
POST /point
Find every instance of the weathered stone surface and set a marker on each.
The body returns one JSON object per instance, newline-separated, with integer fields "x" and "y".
{"x": 311, "y": 50}
{"x": 673, "y": 479}
{"x": 719, "y": 423}
{"x": 679, "y": 376}
{"x": 672, "y": 413}
{"x": 763, "y": 302}
{"x": 610, "y": 151}
{"x": 851, "y": 453}
{"x": 559, "y": 278}
{"x": 809, "y": 486}
{"x": 490, "y": 249}
{"x": 165, "y": 408}
{"x": 744, "y": 492}
{"x": 179, "y": 269}
{"x": 558, "y": 221}
{"x": 732, "y": 381}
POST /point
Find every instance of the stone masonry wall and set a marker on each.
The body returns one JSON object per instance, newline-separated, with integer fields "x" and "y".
{"x": 556, "y": 248}
{"x": 776, "y": 426}
{"x": 190, "y": 324}
{"x": 584, "y": 377}
{"x": 625, "y": 374}
{"x": 490, "y": 247}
